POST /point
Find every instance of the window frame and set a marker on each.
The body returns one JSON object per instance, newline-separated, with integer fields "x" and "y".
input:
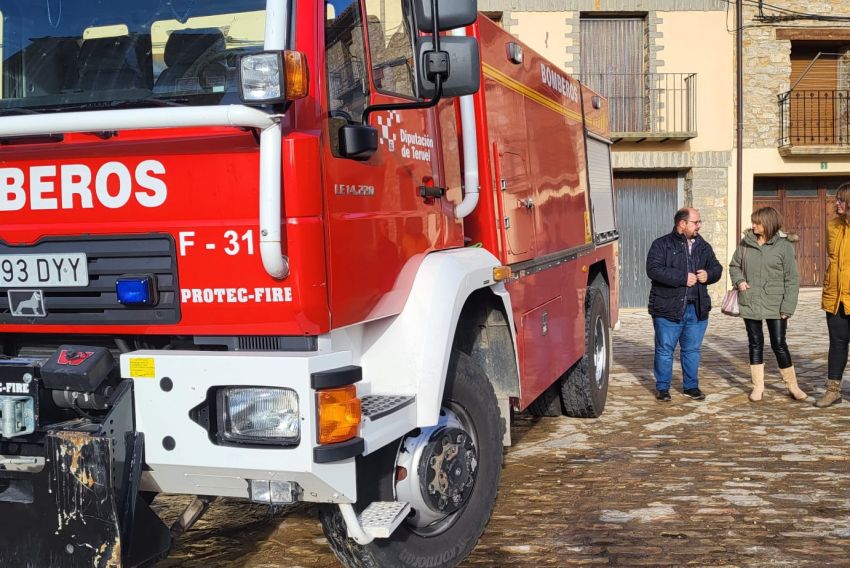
{"x": 365, "y": 80}
{"x": 414, "y": 97}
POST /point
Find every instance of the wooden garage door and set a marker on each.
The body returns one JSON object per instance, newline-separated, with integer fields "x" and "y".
{"x": 806, "y": 205}
{"x": 646, "y": 203}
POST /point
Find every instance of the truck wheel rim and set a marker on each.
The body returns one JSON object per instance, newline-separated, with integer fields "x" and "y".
{"x": 436, "y": 472}
{"x": 600, "y": 350}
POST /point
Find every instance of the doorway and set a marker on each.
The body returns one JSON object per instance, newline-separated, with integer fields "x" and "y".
{"x": 806, "y": 205}
{"x": 646, "y": 204}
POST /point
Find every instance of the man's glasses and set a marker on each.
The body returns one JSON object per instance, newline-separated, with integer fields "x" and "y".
{"x": 697, "y": 222}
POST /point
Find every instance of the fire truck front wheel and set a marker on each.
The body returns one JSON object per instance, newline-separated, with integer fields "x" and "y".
{"x": 584, "y": 390}
{"x": 449, "y": 473}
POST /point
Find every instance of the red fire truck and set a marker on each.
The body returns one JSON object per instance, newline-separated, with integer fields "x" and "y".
{"x": 287, "y": 251}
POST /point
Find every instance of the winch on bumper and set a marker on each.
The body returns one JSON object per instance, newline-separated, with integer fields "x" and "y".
{"x": 81, "y": 442}
{"x": 70, "y": 463}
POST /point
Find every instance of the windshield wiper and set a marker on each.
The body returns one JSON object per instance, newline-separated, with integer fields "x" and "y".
{"x": 123, "y": 103}
{"x": 135, "y": 103}
{"x": 154, "y": 102}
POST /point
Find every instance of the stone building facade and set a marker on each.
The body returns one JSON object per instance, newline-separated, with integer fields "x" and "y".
{"x": 767, "y": 58}
{"x": 796, "y": 148}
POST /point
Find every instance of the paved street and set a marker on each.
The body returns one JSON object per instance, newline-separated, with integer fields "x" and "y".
{"x": 723, "y": 482}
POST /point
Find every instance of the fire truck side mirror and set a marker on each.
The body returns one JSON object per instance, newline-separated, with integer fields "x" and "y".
{"x": 358, "y": 141}
{"x": 451, "y": 13}
{"x": 464, "y": 66}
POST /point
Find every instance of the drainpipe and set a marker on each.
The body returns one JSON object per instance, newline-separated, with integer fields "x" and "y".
{"x": 739, "y": 115}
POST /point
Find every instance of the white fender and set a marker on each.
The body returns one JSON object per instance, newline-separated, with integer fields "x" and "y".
{"x": 409, "y": 353}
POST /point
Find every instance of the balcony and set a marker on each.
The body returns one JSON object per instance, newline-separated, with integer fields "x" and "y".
{"x": 648, "y": 106}
{"x": 814, "y": 122}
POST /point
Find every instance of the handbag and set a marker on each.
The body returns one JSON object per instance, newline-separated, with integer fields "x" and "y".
{"x": 730, "y": 303}
{"x": 730, "y": 300}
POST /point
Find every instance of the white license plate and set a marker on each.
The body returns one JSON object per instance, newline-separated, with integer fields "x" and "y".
{"x": 44, "y": 270}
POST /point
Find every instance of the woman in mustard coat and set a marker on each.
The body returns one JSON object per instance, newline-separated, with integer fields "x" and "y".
{"x": 836, "y": 296}
{"x": 764, "y": 270}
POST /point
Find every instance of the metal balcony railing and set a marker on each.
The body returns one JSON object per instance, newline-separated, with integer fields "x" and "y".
{"x": 648, "y": 106}
{"x": 814, "y": 118}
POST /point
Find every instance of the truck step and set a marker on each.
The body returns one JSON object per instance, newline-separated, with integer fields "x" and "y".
{"x": 386, "y": 417}
{"x": 375, "y": 406}
{"x": 381, "y": 518}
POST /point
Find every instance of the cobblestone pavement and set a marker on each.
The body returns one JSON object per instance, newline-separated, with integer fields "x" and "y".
{"x": 723, "y": 482}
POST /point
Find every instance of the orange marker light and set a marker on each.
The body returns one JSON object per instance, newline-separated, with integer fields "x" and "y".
{"x": 501, "y": 273}
{"x": 297, "y": 76}
{"x": 339, "y": 414}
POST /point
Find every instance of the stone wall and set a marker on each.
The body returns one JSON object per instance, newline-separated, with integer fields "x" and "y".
{"x": 767, "y": 72}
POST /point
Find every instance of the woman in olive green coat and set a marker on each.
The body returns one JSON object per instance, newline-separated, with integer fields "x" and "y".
{"x": 764, "y": 270}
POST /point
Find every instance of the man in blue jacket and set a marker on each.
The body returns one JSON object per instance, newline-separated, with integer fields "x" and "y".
{"x": 681, "y": 265}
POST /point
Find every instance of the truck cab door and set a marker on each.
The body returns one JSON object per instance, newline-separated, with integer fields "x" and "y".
{"x": 379, "y": 224}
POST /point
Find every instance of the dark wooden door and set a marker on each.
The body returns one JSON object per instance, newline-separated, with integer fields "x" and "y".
{"x": 805, "y": 216}
{"x": 806, "y": 205}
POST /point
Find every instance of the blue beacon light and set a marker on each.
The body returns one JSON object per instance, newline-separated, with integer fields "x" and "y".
{"x": 136, "y": 291}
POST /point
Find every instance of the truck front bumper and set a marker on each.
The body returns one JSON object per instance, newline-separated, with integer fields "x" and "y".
{"x": 182, "y": 454}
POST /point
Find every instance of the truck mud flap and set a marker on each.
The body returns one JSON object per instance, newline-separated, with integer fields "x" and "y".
{"x": 77, "y": 503}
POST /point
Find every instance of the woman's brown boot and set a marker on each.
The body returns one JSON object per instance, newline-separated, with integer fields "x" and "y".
{"x": 789, "y": 375}
{"x": 757, "y": 372}
{"x": 832, "y": 394}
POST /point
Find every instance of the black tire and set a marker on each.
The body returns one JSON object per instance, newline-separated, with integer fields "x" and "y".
{"x": 548, "y": 403}
{"x": 467, "y": 387}
{"x": 584, "y": 390}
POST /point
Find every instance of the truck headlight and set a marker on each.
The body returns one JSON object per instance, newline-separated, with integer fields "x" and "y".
{"x": 262, "y": 77}
{"x": 273, "y": 77}
{"x": 258, "y": 415}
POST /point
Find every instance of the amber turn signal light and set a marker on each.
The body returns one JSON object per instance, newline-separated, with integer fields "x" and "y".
{"x": 501, "y": 273}
{"x": 339, "y": 414}
{"x": 297, "y": 76}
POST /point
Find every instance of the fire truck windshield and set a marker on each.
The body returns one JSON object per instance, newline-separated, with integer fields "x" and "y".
{"x": 81, "y": 54}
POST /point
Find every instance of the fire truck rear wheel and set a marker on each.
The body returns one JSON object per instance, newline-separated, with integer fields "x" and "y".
{"x": 584, "y": 390}
{"x": 548, "y": 403}
{"x": 470, "y": 404}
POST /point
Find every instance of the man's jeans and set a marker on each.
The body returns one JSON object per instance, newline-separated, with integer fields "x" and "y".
{"x": 688, "y": 333}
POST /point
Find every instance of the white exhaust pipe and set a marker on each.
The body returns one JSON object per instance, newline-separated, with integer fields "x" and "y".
{"x": 470, "y": 153}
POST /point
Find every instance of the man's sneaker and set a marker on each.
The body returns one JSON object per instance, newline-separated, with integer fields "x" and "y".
{"x": 695, "y": 394}
{"x": 662, "y": 396}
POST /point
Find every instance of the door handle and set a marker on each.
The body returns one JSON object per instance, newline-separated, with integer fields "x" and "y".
{"x": 528, "y": 203}
{"x": 431, "y": 192}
